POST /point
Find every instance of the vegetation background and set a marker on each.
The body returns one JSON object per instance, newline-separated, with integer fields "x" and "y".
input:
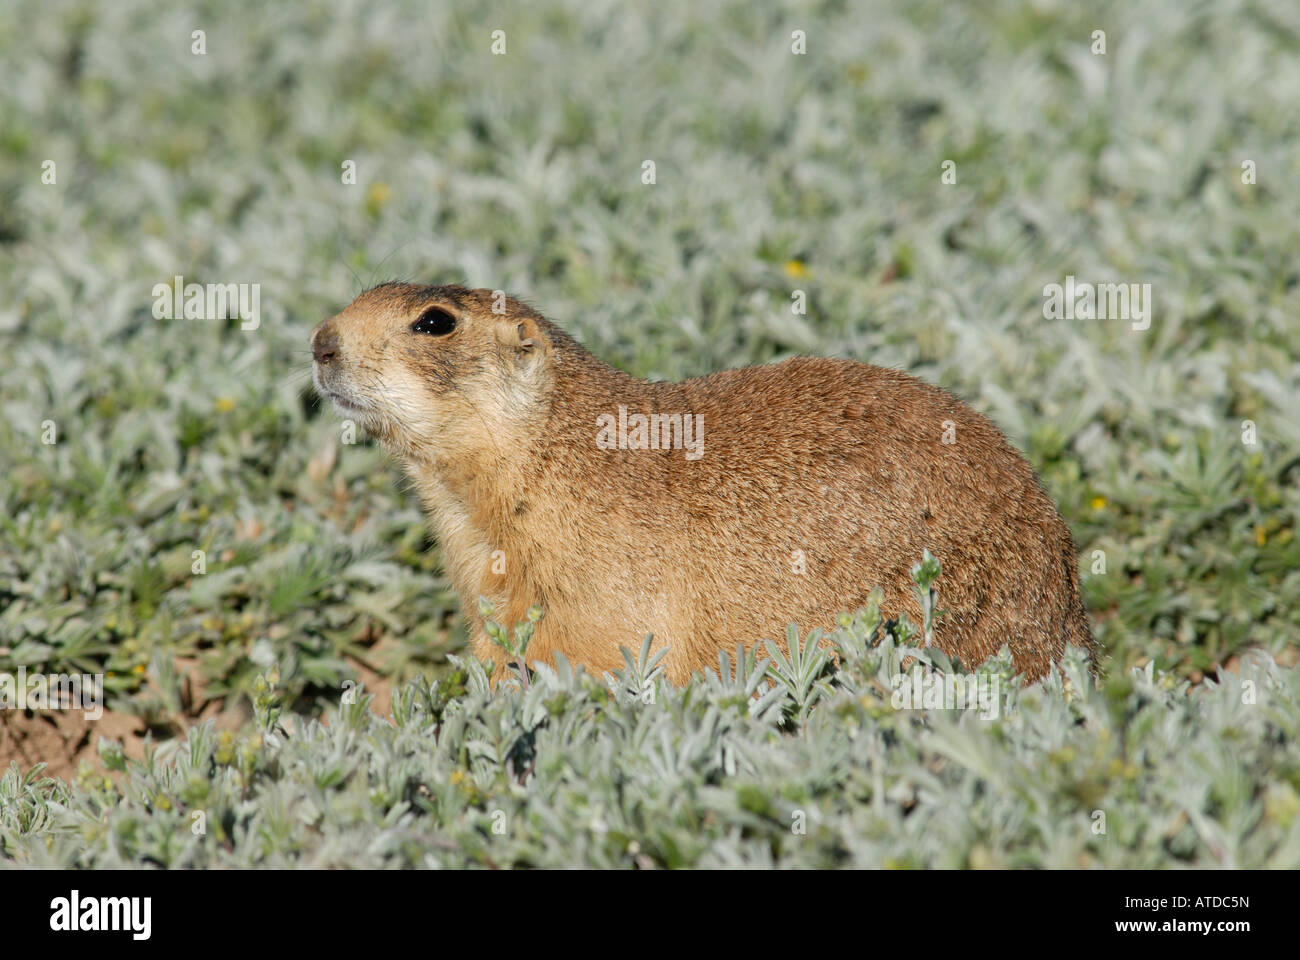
{"x": 775, "y": 172}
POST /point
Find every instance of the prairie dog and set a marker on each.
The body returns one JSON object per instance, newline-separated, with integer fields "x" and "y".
{"x": 707, "y": 512}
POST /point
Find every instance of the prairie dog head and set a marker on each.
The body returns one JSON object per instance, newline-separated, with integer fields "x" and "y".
{"x": 435, "y": 372}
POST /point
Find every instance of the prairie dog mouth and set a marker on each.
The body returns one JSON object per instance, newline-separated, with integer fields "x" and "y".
{"x": 342, "y": 402}
{"x": 344, "y": 405}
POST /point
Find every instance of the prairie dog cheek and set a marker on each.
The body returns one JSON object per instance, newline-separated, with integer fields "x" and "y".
{"x": 412, "y": 409}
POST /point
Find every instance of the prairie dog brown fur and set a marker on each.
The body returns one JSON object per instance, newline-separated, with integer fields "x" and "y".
{"x": 786, "y": 492}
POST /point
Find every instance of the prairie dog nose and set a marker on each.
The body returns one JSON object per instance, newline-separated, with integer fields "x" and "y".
{"x": 324, "y": 345}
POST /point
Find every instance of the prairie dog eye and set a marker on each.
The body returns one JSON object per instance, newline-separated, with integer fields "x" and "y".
{"x": 435, "y": 321}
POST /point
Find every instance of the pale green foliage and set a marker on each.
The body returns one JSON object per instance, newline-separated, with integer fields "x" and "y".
{"x": 573, "y": 771}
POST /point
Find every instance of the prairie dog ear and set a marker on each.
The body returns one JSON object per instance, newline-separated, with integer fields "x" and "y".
{"x": 523, "y": 336}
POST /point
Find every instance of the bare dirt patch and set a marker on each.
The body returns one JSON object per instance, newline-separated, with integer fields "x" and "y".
{"x": 64, "y": 739}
